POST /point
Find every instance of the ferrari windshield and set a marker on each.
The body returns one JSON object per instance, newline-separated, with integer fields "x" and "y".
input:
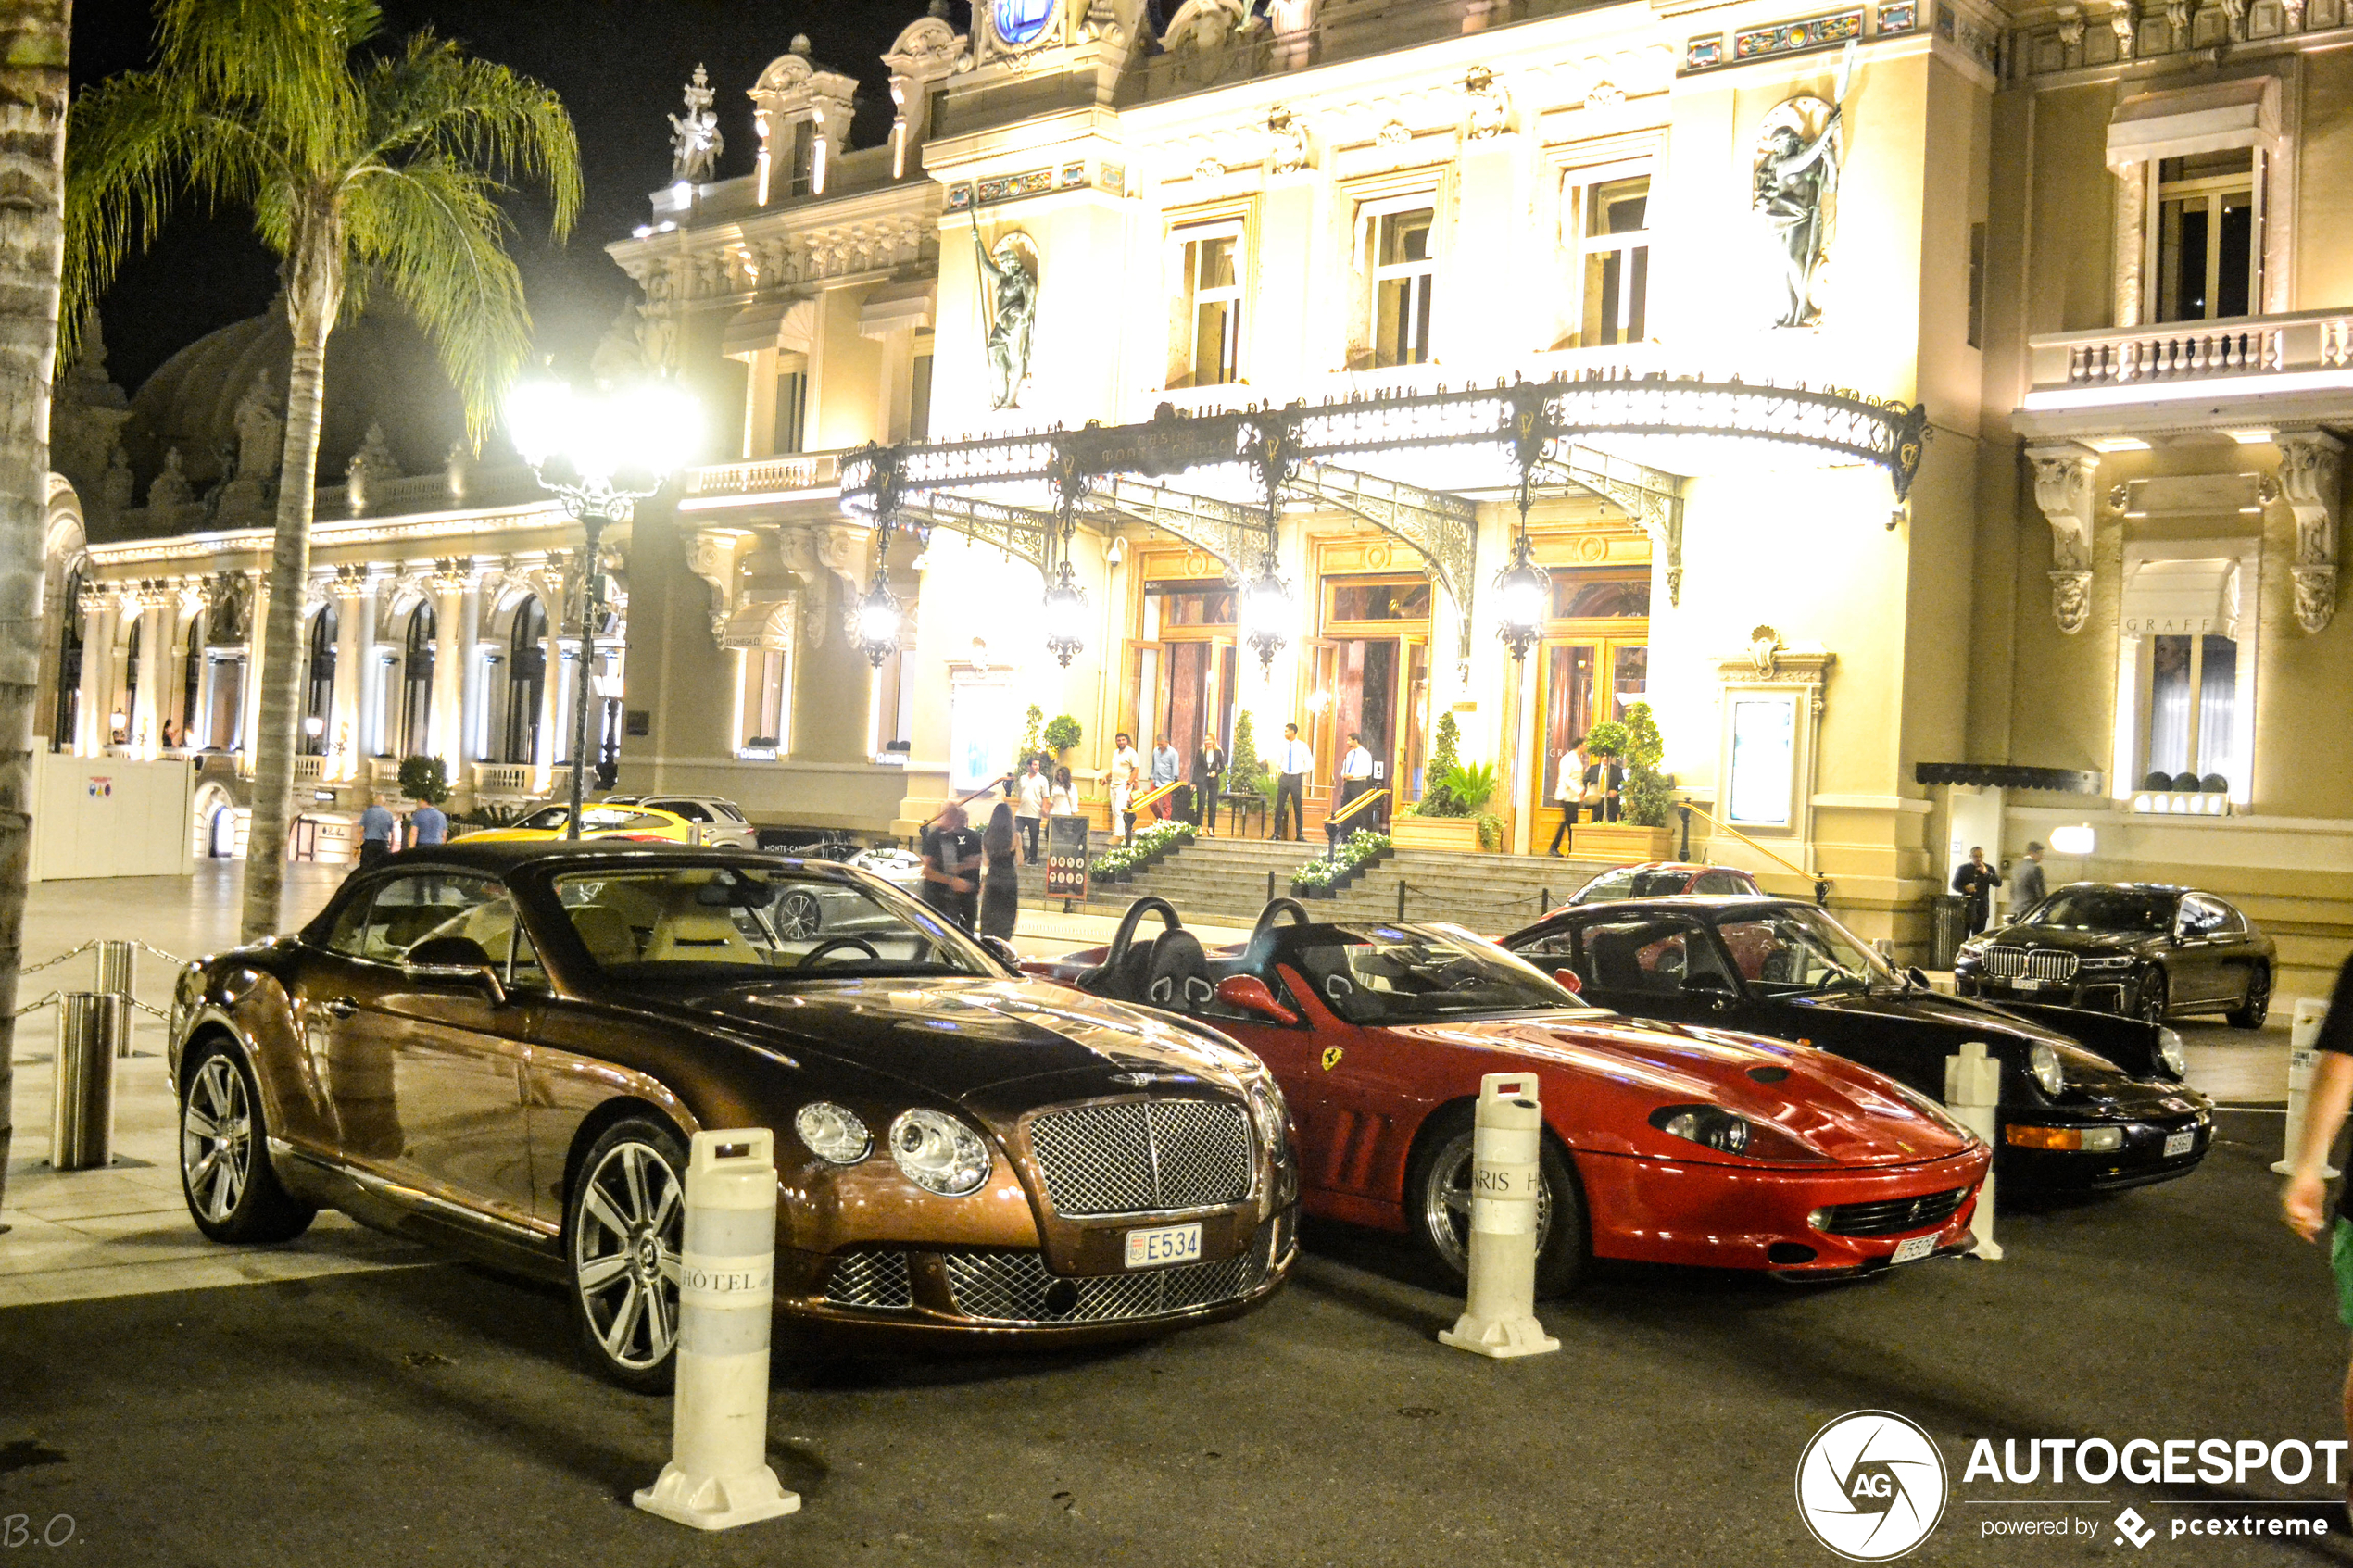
{"x": 1795, "y": 949}
{"x": 2104, "y": 909}
{"x": 658, "y": 924}
{"x": 1393, "y": 975}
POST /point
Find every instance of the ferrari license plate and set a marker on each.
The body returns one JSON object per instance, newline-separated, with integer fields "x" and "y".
{"x": 1913, "y": 1250}
{"x": 1163, "y": 1244}
{"x": 2178, "y": 1144}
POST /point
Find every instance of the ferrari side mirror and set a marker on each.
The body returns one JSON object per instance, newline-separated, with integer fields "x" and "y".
{"x": 1250, "y": 994}
{"x": 1568, "y": 982}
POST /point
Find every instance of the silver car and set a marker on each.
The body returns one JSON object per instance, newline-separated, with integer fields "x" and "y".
{"x": 721, "y": 820}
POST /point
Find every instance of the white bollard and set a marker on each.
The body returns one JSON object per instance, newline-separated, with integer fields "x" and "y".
{"x": 1973, "y": 1093}
{"x": 1499, "y": 1315}
{"x": 2303, "y": 1060}
{"x": 718, "y": 1475}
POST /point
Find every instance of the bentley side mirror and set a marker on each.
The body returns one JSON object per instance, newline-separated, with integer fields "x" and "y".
{"x": 1250, "y": 994}
{"x": 458, "y": 960}
{"x": 1003, "y": 951}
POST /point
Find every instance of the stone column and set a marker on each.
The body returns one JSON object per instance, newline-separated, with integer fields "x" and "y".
{"x": 451, "y": 581}
{"x": 471, "y": 694}
{"x": 2132, "y": 241}
{"x": 347, "y": 718}
{"x": 98, "y": 674}
{"x": 154, "y": 643}
{"x": 249, "y": 698}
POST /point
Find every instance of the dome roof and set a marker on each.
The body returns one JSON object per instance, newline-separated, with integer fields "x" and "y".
{"x": 379, "y": 370}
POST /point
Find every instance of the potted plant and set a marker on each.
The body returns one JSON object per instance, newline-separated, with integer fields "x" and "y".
{"x": 424, "y": 779}
{"x": 1645, "y": 799}
{"x": 1452, "y": 806}
{"x": 1062, "y": 734}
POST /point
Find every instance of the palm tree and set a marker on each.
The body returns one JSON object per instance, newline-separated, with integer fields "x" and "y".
{"x": 32, "y": 128}
{"x": 362, "y": 166}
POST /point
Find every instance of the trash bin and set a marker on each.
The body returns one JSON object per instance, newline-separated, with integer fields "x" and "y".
{"x": 81, "y": 1110}
{"x": 1948, "y": 928}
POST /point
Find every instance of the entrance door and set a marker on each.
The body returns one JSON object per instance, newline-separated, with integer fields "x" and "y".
{"x": 1582, "y": 683}
{"x": 1365, "y": 680}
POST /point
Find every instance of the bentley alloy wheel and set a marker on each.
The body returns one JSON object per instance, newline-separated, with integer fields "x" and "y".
{"x": 233, "y": 1193}
{"x": 626, "y": 1230}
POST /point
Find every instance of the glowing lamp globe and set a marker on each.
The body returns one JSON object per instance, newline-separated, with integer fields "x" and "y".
{"x": 1066, "y": 616}
{"x": 1523, "y": 599}
{"x": 1265, "y": 614}
{"x": 877, "y": 624}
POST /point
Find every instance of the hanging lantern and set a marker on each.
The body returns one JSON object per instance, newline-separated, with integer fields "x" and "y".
{"x": 1066, "y": 615}
{"x": 875, "y": 625}
{"x": 1265, "y": 614}
{"x": 1524, "y": 599}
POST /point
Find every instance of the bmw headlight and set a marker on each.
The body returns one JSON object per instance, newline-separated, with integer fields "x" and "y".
{"x": 833, "y": 1132}
{"x": 1708, "y": 1124}
{"x": 938, "y": 1153}
{"x": 2169, "y": 1051}
{"x": 1266, "y": 1114}
{"x": 2043, "y": 1063}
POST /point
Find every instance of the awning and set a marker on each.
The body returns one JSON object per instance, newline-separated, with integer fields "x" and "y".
{"x": 762, "y": 618}
{"x": 2173, "y": 597}
{"x": 897, "y": 307}
{"x": 2212, "y": 119}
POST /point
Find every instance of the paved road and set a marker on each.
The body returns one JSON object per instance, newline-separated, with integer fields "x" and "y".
{"x": 436, "y": 1415}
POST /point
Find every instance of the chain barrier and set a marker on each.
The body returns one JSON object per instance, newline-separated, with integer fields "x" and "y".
{"x": 173, "y": 958}
{"x": 35, "y": 1007}
{"x": 69, "y": 953}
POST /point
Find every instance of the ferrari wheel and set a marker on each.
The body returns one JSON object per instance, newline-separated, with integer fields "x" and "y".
{"x": 624, "y": 1230}
{"x": 2257, "y": 1005}
{"x": 233, "y": 1193}
{"x": 1438, "y": 1204}
{"x": 2153, "y": 999}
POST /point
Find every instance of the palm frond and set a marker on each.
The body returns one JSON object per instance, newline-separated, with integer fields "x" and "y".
{"x": 434, "y": 100}
{"x": 285, "y": 64}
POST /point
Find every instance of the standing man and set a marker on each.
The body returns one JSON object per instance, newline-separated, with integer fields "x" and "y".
{"x": 1355, "y": 769}
{"x": 2304, "y": 1200}
{"x": 1568, "y": 789}
{"x": 1976, "y": 882}
{"x": 1126, "y": 771}
{"x": 1292, "y": 761}
{"x": 1209, "y": 771}
{"x": 1604, "y": 776}
{"x": 431, "y": 822}
{"x": 376, "y": 835}
{"x": 2027, "y": 888}
{"x": 1029, "y": 805}
{"x": 951, "y": 868}
{"x": 1165, "y": 762}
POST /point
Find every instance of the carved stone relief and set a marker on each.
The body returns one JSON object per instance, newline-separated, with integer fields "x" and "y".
{"x": 2063, "y": 489}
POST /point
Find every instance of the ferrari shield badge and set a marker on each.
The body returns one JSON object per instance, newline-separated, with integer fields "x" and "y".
{"x": 1331, "y": 1058}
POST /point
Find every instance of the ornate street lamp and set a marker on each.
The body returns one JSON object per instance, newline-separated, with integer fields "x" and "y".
{"x": 1265, "y": 613}
{"x": 600, "y": 455}
{"x": 1065, "y": 605}
{"x": 875, "y": 624}
{"x": 1523, "y": 589}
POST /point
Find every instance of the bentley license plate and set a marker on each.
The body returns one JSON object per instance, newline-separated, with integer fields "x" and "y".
{"x": 1163, "y": 1244}
{"x": 1915, "y": 1250}
{"x": 2180, "y": 1143}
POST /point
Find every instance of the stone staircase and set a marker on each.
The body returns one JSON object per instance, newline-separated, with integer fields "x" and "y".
{"x": 1224, "y": 881}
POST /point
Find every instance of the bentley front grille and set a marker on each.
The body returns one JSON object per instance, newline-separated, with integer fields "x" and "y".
{"x": 870, "y": 1277}
{"x": 1896, "y": 1215}
{"x": 1144, "y": 1156}
{"x": 2022, "y": 963}
{"x": 1018, "y": 1287}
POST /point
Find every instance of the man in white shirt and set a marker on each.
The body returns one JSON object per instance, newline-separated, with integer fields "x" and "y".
{"x": 1029, "y": 804}
{"x": 1292, "y": 761}
{"x": 1127, "y": 769}
{"x": 1166, "y": 761}
{"x": 1355, "y": 772}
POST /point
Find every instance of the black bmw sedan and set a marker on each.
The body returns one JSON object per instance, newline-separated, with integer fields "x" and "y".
{"x": 2088, "y": 1100}
{"x": 2149, "y": 949}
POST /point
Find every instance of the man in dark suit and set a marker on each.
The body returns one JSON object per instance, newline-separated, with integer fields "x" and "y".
{"x": 1209, "y": 772}
{"x": 1975, "y": 882}
{"x": 1604, "y": 776}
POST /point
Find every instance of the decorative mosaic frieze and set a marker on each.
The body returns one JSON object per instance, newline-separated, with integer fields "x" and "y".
{"x": 1787, "y": 38}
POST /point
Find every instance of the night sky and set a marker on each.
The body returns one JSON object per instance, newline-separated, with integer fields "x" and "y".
{"x": 619, "y": 65}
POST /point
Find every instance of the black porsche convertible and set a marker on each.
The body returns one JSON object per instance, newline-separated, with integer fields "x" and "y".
{"x": 2089, "y": 1099}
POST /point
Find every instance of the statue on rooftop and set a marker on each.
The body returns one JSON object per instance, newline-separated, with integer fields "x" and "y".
{"x": 695, "y": 140}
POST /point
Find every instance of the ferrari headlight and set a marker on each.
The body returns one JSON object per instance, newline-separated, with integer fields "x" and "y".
{"x": 1708, "y": 1124}
{"x": 1266, "y": 1114}
{"x": 1934, "y": 1111}
{"x": 2043, "y": 1064}
{"x": 938, "y": 1153}
{"x": 833, "y": 1132}
{"x": 2169, "y": 1051}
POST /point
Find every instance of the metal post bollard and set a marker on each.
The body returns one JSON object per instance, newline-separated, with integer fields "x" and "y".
{"x": 118, "y": 972}
{"x": 1499, "y": 1315}
{"x": 81, "y": 1110}
{"x": 1972, "y": 1090}
{"x": 2303, "y": 1059}
{"x": 718, "y": 1475}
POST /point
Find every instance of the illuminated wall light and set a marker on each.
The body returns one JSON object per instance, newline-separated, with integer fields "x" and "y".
{"x": 2077, "y": 840}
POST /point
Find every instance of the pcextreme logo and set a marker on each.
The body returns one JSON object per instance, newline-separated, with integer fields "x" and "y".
{"x": 1871, "y": 1486}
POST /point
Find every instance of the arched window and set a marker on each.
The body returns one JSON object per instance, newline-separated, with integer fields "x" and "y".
{"x": 527, "y": 680}
{"x": 416, "y": 684}
{"x": 68, "y": 715}
{"x": 319, "y": 711}
{"x": 126, "y": 713}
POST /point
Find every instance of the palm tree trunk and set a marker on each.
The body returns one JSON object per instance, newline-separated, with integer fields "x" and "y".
{"x": 314, "y": 296}
{"x": 33, "y": 187}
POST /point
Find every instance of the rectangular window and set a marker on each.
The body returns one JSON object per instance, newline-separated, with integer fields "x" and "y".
{"x": 919, "y": 394}
{"x": 804, "y": 159}
{"x": 1213, "y": 309}
{"x": 1613, "y": 253}
{"x": 760, "y": 711}
{"x": 1404, "y": 273}
{"x": 792, "y": 408}
{"x": 2193, "y": 710}
{"x": 1977, "y": 285}
{"x": 2209, "y": 235}
{"x": 1187, "y": 604}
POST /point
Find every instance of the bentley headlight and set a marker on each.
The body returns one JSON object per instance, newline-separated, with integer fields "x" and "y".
{"x": 2169, "y": 1051}
{"x": 2043, "y": 1063}
{"x": 938, "y": 1153}
{"x": 833, "y": 1132}
{"x": 1708, "y": 1124}
{"x": 1266, "y": 1114}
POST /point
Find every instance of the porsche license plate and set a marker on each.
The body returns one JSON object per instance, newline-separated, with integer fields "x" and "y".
{"x": 1163, "y": 1244}
{"x": 2177, "y": 1144}
{"x": 1913, "y": 1250}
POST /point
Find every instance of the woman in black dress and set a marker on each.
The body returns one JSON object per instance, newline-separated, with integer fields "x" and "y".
{"x": 1000, "y": 891}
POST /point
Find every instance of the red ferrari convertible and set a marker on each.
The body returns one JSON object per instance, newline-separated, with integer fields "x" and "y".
{"x": 1667, "y": 1144}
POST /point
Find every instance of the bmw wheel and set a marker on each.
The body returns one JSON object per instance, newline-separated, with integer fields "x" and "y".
{"x": 1437, "y": 1201}
{"x": 624, "y": 1227}
{"x": 233, "y": 1193}
{"x": 2153, "y": 997}
{"x": 2256, "y": 1005}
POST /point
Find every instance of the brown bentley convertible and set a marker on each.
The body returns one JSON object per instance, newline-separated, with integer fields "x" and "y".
{"x": 505, "y": 1047}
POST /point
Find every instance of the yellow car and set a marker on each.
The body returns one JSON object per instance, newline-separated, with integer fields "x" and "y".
{"x": 625, "y": 823}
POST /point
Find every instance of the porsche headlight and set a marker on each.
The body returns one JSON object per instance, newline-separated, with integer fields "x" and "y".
{"x": 2169, "y": 1051}
{"x": 2043, "y": 1064}
{"x": 833, "y": 1132}
{"x": 1266, "y": 1114}
{"x": 938, "y": 1153}
{"x": 1708, "y": 1124}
